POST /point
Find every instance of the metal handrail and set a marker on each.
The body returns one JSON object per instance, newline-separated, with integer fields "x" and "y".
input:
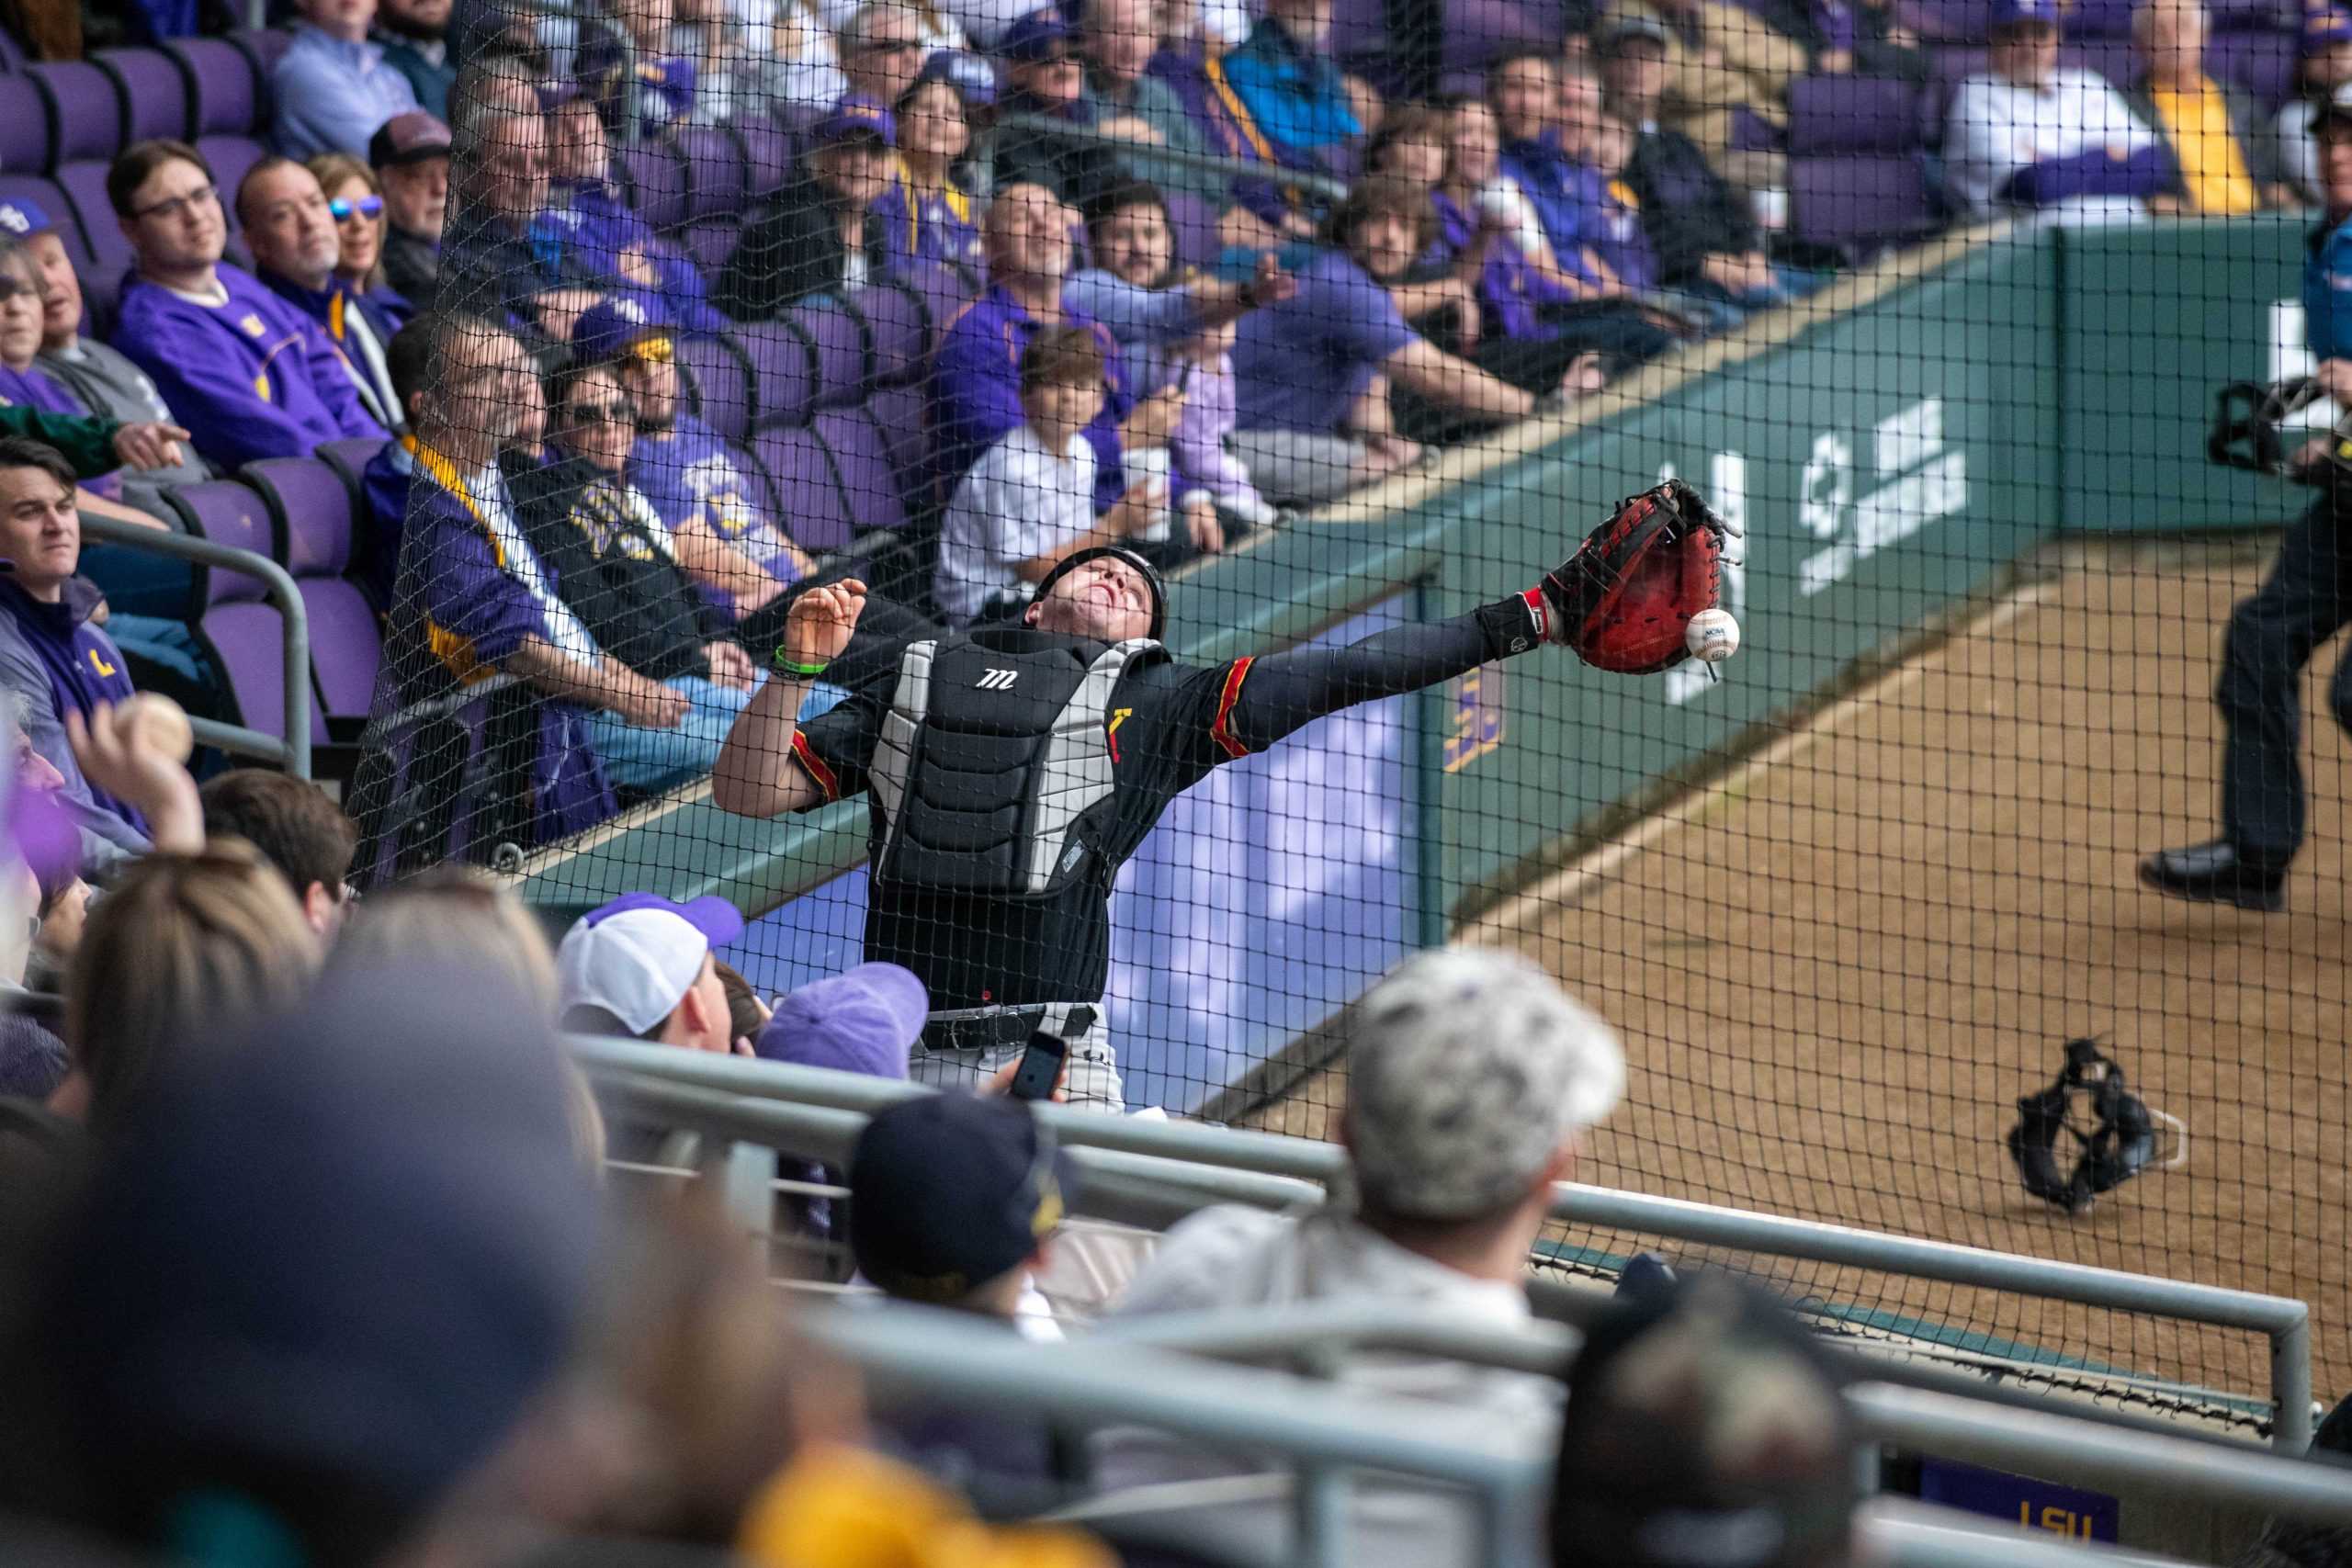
{"x": 292, "y": 753}
{"x": 2286, "y": 1322}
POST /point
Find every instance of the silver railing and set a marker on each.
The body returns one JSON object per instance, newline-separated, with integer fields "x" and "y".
{"x": 292, "y": 753}
{"x": 748, "y": 1095}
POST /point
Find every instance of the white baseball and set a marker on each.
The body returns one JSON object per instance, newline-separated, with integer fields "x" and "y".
{"x": 160, "y": 723}
{"x": 1711, "y": 636}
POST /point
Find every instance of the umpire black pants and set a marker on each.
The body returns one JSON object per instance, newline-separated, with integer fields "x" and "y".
{"x": 2306, "y": 599}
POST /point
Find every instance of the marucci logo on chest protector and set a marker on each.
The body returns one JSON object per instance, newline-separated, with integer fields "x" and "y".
{"x": 997, "y": 680}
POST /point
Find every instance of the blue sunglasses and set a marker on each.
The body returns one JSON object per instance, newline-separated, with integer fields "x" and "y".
{"x": 366, "y": 207}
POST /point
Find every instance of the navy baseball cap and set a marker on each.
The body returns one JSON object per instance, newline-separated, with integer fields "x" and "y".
{"x": 862, "y": 1020}
{"x": 1705, "y": 1428}
{"x": 23, "y": 218}
{"x": 2323, "y": 27}
{"x": 1151, "y": 578}
{"x": 617, "y": 323}
{"x": 853, "y": 117}
{"x": 2021, "y": 13}
{"x": 1035, "y": 35}
{"x": 952, "y": 1190}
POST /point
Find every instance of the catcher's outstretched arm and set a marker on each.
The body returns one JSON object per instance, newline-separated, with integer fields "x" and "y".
{"x": 1268, "y": 697}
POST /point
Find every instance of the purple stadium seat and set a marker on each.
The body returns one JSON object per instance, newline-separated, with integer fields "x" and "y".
{"x": 784, "y": 373}
{"x": 2262, "y": 63}
{"x": 904, "y": 419}
{"x": 840, "y": 349}
{"x": 1964, "y": 22}
{"x": 85, "y": 188}
{"x": 226, "y": 94}
{"x": 809, "y": 498}
{"x": 895, "y": 329}
{"x": 714, "y": 171}
{"x": 154, "y": 91}
{"x": 1193, "y": 219}
{"x": 656, "y": 177}
{"x": 12, "y": 53}
{"x": 710, "y": 241}
{"x": 769, "y": 150}
{"x": 86, "y": 112}
{"x": 241, "y": 631}
{"x": 1851, "y": 113}
{"x": 1863, "y": 201}
{"x": 861, "y": 462}
{"x": 943, "y": 292}
{"x": 1477, "y": 31}
{"x": 1359, "y": 27}
{"x": 232, "y": 158}
{"x": 349, "y": 459}
{"x": 265, "y": 47}
{"x": 720, "y": 383}
{"x": 27, "y": 143}
{"x": 310, "y": 509}
{"x": 2110, "y": 58}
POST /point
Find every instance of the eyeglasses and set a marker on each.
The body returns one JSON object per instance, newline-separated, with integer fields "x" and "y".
{"x": 601, "y": 413}
{"x": 16, "y": 289}
{"x": 366, "y": 207}
{"x": 180, "y": 206}
{"x": 652, "y": 351}
{"x": 886, "y": 46}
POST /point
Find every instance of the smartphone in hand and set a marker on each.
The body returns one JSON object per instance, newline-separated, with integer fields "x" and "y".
{"x": 1040, "y": 1068}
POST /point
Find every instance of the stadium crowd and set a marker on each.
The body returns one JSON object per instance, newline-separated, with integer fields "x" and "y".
{"x": 316, "y": 1248}
{"x": 718, "y": 301}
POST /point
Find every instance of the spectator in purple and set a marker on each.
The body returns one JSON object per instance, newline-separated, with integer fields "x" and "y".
{"x": 2322, "y": 64}
{"x": 23, "y": 384}
{"x": 1542, "y": 190}
{"x": 646, "y": 82}
{"x": 249, "y": 374}
{"x": 102, "y": 381}
{"x": 827, "y": 232}
{"x": 1265, "y": 212}
{"x": 414, "y": 37}
{"x": 356, "y": 201}
{"x": 975, "y": 375}
{"x": 333, "y": 88}
{"x": 589, "y": 235}
{"x": 296, "y": 248}
{"x": 410, "y": 157}
{"x": 942, "y": 220}
{"x": 1315, "y": 371}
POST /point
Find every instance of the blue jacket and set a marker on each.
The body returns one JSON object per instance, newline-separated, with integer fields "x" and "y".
{"x": 1296, "y": 95}
{"x": 253, "y": 377}
{"x": 2327, "y": 290}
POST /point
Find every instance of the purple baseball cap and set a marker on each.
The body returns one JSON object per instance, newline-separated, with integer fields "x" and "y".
{"x": 637, "y": 958}
{"x": 863, "y": 1021}
{"x": 2019, "y": 13}
{"x": 23, "y": 218}
{"x": 856, "y": 116}
{"x": 1033, "y": 38}
{"x": 2323, "y": 27}
{"x": 617, "y": 322}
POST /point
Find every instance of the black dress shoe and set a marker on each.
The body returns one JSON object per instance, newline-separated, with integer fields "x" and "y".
{"x": 2214, "y": 873}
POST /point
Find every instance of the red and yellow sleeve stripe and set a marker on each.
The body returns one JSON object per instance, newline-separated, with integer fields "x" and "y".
{"x": 1221, "y": 730}
{"x": 815, "y": 766}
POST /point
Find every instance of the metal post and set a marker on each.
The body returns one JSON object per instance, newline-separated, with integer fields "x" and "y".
{"x": 2290, "y": 1386}
{"x": 1319, "y": 1513}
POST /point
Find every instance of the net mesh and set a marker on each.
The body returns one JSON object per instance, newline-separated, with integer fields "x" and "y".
{"x": 1350, "y": 338}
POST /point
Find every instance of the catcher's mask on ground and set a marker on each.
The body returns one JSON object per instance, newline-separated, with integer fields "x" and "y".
{"x": 2122, "y": 1140}
{"x": 2250, "y": 430}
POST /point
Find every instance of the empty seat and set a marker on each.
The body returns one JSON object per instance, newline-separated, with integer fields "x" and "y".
{"x": 2262, "y": 63}
{"x": 808, "y": 499}
{"x": 84, "y": 106}
{"x": 656, "y": 177}
{"x": 86, "y": 191}
{"x": 312, "y": 511}
{"x": 720, "y": 384}
{"x": 349, "y": 459}
{"x": 239, "y": 628}
{"x": 896, "y": 328}
{"x": 226, "y": 94}
{"x": 230, "y": 157}
{"x": 714, "y": 171}
{"x": 27, "y": 143}
{"x": 769, "y": 150}
{"x": 869, "y": 480}
{"x": 1193, "y": 222}
{"x": 265, "y": 47}
{"x": 709, "y": 242}
{"x": 1851, "y": 113}
{"x": 1860, "y": 202}
{"x": 944, "y": 293}
{"x": 904, "y": 419}
{"x": 783, "y": 372}
{"x": 154, "y": 90}
{"x": 838, "y": 343}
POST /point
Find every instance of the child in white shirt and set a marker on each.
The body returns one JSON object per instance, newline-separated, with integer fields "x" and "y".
{"x": 1030, "y": 499}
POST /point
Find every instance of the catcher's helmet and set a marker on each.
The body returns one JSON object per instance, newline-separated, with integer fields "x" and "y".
{"x": 2121, "y": 1144}
{"x": 1155, "y": 583}
{"x": 2247, "y": 420}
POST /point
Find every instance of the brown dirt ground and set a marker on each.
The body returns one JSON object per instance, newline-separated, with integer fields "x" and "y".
{"x": 1838, "y": 970}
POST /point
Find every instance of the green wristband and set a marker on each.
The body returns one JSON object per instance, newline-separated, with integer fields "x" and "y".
{"x": 806, "y": 672}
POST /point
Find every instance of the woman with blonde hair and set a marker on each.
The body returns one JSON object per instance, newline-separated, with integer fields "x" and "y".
{"x": 180, "y": 941}
{"x": 356, "y": 200}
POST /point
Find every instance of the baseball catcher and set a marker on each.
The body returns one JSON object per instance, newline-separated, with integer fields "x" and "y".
{"x": 1010, "y": 771}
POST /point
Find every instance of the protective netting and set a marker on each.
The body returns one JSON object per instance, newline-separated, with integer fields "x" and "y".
{"x": 1351, "y": 326}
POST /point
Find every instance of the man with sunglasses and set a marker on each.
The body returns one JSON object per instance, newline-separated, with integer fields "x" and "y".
{"x": 1046, "y": 82}
{"x": 247, "y": 373}
{"x": 292, "y": 229}
{"x": 882, "y": 51}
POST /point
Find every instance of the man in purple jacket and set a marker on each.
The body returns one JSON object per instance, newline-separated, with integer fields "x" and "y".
{"x": 248, "y": 374}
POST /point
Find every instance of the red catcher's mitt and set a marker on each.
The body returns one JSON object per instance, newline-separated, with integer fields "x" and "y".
{"x": 1623, "y": 601}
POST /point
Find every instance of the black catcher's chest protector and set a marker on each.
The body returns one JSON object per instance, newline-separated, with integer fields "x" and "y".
{"x": 993, "y": 773}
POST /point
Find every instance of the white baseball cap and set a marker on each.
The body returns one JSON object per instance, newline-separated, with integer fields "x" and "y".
{"x": 637, "y": 958}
